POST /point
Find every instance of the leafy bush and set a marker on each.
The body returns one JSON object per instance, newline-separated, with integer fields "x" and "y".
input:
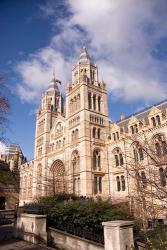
{"x": 64, "y": 210}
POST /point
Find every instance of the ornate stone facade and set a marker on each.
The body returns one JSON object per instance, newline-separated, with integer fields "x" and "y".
{"x": 78, "y": 149}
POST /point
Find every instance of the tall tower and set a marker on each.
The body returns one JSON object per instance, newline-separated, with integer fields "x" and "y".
{"x": 86, "y": 113}
{"x": 51, "y": 106}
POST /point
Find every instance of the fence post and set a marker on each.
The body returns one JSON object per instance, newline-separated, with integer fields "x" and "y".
{"x": 118, "y": 235}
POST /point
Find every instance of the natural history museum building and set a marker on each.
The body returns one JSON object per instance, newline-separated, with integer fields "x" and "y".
{"x": 79, "y": 150}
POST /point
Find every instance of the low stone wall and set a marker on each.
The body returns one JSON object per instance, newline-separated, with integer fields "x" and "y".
{"x": 118, "y": 235}
{"x": 32, "y": 228}
{"x": 66, "y": 241}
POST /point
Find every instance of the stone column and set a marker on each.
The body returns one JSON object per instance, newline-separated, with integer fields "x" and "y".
{"x": 118, "y": 235}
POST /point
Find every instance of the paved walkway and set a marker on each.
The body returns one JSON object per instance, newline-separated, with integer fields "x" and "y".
{"x": 20, "y": 244}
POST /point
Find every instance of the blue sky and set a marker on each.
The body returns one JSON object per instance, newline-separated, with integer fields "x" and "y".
{"x": 126, "y": 38}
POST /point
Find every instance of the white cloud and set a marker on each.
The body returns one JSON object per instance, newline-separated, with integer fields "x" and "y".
{"x": 122, "y": 37}
{"x": 38, "y": 70}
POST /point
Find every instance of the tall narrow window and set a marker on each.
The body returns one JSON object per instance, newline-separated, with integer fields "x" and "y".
{"x": 98, "y": 133}
{"x": 89, "y": 101}
{"x": 153, "y": 122}
{"x": 95, "y": 185}
{"x": 144, "y": 179}
{"x": 118, "y": 184}
{"x": 99, "y": 161}
{"x": 94, "y": 102}
{"x": 100, "y": 184}
{"x": 135, "y": 154}
{"x": 158, "y": 148}
{"x": 94, "y": 132}
{"x": 121, "y": 159}
{"x": 96, "y": 160}
{"x": 141, "y": 155}
{"x": 158, "y": 120}
{"x": 132, "y": 129}
{"x": 99, "y": 103}
{"x": 123, "y": 183}
{"x": 164, "y": 147}
{"x": 136, "y": 128}
{"x": 114, "y": 136}
{"x": 76, "y": 134}
{"x": 75, "y": 162}
{"x": 162, "y": 177}
{"x": 116, "y": 160}
{"x": 117, "y": 133}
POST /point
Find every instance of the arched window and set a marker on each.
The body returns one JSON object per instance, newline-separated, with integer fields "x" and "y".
{"x": 153, "y": 121}
{"x": 141, "y": 155}
{"x": 56, "y": 180}
{"x": 75, "y": 161}
{"x": 119, "y": 161}
{"x": 72, "y": 136}
{"x": 158, "y": 120}
{"x": 100, "y": 184}
{"x": 76, "y": 134}
{"x": 96, "y": 160}
{"x": 123, "y": 183}
{"x": 114, "y": 136}
{"x": 116, "y": 160}
{"x": 160, "y": 144}
{"x": 143, "y": 179}
{"x": 118, "y": 183}
{"x": 136, "y": 128}
{"x": 164, "y": 147}
{"x": 135, "y": 154}
{"x": 99, "y": 103}
{"x": 94, "y": 132}
{"x": 162, "y": 177}
{"x": 97, "y": 184}
{"x": 158, "y": 148}
{"x": 117, "y": 133}
{"x": 132, "y": 129}
{"x": 63, "y": 141}
{"x": 89, "y": 101}
{"x": 98, "y": 133}
{"x": 71, "y": 105}
{"x": 94, "y": 102}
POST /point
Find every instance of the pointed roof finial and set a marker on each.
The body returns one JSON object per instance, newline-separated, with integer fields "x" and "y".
{"x": 84, "y": 56}
{"x": 53, "y": 73}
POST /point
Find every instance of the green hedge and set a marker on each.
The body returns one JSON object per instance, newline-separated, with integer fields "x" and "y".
{"x": 80, "y": 213}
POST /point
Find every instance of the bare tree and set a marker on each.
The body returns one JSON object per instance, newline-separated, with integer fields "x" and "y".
{"x": 146, "y": 167}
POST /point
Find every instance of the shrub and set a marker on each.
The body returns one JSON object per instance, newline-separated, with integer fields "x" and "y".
{"x": 64, "y": 210}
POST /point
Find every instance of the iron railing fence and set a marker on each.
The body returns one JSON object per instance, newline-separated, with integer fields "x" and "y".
{"x": 81, "y": 231}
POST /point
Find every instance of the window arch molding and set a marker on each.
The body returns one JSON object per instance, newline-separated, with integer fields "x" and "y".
{"x": 118, "y": 156}
{"x": 97, "y": 157}
{"x": 160, "y": 144}
{"x": 75, "y": 161}
{"x": 138, "y": 152}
